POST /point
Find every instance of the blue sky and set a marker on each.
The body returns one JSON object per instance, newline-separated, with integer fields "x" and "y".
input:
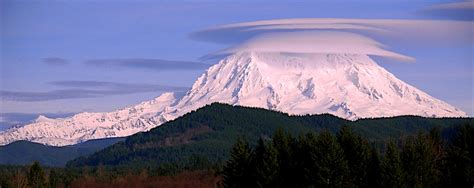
{"x": 51, "y": 49}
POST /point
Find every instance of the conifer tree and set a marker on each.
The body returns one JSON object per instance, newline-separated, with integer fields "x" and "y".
{"x": 238, "y": 170}
{"x": 36, "y": 177}
{"x": 53, "y": 179}
{"x": 357, "y": 153}
{"x": 305, "y": 161}
{"x": 330, "y": 166}
{"x": 266, "y": 164}
{"x": 283, "y": 143}
{"x": 418, "y": 160}
{"x": 391, "y": 169}
{"x": 301, "y": 160}
{"x": 459, "y": 166}
{"x": 373, "y": 170}
{"x": 438, "y": 147}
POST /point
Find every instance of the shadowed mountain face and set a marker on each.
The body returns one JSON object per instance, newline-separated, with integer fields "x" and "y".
{"x": 205, "y": 136}
{"x": 25, "y": 153}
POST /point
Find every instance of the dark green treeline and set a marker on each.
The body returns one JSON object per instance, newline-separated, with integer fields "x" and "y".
{"x": 348, "y": 160}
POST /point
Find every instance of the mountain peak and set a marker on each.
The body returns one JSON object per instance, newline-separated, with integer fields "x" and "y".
{"x": 42, "y": 118}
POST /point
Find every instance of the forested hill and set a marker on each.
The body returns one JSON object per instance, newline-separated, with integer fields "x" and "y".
{"x": 204, "y": 137}
{"x": 25, "y": 152}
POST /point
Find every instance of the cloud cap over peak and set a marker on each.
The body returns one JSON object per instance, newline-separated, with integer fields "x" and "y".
{"x": 333, "y": 35}
{"x": 314, "y": 42}
{"x": 432, "y": 29}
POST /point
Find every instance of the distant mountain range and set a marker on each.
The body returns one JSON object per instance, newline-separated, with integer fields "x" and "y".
{"x": 346, "y": 85}
{"x": 25, "y": 152}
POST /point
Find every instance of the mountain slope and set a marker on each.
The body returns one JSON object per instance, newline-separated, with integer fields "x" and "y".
{"x": 25, "y": 153}
{"x": 206, "y": 136}
{"x": 345, "y": 85}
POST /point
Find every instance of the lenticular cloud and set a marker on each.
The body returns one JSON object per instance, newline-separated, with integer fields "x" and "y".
{"x": 327, "y": 42}
{"x": 455, "y": 31}
{"x": 349, "y": 36}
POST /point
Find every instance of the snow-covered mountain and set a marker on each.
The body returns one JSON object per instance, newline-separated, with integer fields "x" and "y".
{"x": 87, "y": 126}
{"x": 346, "y": 85}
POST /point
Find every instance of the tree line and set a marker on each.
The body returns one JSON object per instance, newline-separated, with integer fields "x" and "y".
{"x": 36, "y": 176}
{"x": 349, "y": 160}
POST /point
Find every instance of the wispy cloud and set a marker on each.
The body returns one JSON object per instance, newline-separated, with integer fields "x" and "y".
{"x": 86, "y": 89}
{"x": 452, "y": 11}
{"x": 150, "y": 64}
{"x": 55, "y": 61}
{"x": 46, "y": 96}
{"x": 454, "y": 6}
{"x": 116, "y": 86}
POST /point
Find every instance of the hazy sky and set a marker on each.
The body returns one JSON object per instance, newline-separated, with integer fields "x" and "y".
{"x": 71, "y": 56}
